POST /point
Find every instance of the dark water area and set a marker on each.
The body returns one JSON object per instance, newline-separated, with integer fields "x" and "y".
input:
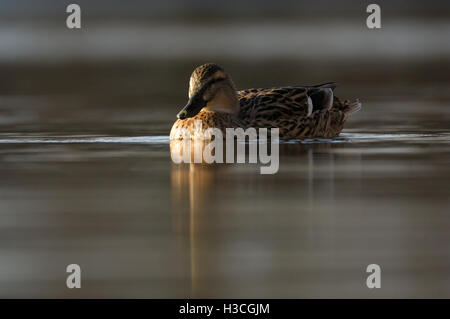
{"x": 87, "y": 178}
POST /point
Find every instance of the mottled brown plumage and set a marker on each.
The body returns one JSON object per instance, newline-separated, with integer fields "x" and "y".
{"x": 298, "y": 111}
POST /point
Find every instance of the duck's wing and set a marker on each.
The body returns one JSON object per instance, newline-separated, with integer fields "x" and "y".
{"x": 322, "y": 96}
{"x": 285, "y": 102}
{"x": 274, "y": 102}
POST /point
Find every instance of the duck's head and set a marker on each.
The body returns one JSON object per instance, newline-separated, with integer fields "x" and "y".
{"x": 212, "y": 89}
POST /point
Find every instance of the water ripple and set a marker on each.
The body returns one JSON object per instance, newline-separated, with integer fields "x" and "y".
{"x": 343, "y": 138}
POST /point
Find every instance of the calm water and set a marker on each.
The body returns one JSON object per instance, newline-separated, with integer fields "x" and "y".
{"x": 87, "y": 178}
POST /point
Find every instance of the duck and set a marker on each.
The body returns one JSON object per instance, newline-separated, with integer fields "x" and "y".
{"x": 299, "y": 112}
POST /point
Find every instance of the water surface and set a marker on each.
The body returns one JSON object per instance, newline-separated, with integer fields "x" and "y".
{"x": 142, "y": 226}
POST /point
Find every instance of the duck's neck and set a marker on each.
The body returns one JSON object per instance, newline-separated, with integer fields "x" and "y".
{"x": 225, "y": 101}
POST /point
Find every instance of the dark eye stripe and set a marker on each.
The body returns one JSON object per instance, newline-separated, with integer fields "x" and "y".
{"x": 208, "y": 84}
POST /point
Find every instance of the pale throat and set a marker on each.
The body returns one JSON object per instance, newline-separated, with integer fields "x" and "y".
{"x": 224, "y": 102}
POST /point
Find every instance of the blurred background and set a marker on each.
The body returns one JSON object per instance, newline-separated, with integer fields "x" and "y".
{"x": 86, "y": 175}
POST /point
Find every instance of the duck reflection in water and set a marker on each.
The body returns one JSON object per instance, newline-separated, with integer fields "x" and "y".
{"x": 214, "y": 203}
{"x": 219, "y": 150}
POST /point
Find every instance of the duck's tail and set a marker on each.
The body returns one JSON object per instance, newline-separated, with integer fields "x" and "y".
{"x": 347, "y": 107}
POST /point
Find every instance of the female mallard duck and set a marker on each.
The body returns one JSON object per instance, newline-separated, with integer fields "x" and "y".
{"x": 298, "y": 111}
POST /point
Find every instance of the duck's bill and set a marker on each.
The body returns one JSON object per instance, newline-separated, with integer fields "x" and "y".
{"x": 192, "y": 108}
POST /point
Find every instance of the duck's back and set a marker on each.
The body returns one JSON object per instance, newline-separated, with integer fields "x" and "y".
{"x": 298, "y": 111}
